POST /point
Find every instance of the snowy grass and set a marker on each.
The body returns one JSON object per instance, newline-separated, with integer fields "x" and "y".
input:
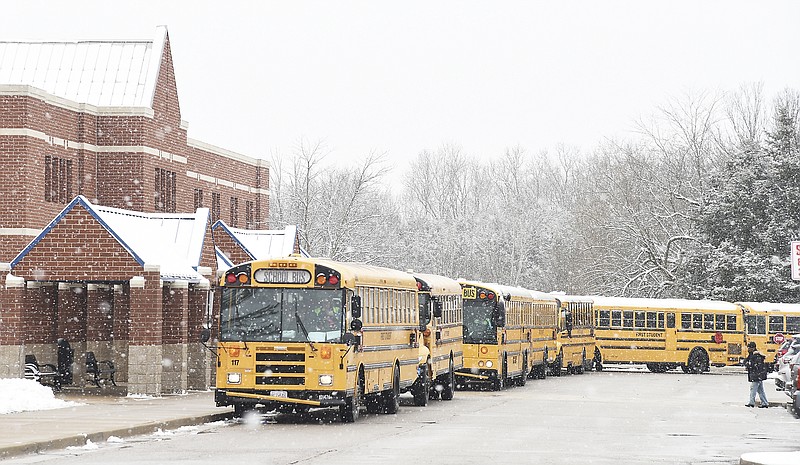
{"x": 24, "y": 395}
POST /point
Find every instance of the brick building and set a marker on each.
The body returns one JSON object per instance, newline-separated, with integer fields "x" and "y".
{"x": 84, "y": 124}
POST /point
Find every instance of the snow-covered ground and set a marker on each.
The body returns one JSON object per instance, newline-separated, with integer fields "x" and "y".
{"x": 23, "y": 395}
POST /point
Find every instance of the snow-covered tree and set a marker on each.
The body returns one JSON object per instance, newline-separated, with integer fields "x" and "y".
{"x": 751, "y": 215}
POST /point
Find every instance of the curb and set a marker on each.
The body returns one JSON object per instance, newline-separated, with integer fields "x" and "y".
{"x": 102, "y": 436}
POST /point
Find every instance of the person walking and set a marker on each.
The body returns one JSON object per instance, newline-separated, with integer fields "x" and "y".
{"x": 756, "y": 374}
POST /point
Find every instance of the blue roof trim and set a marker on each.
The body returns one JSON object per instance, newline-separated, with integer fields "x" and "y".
{"x": 79, "y": 200}
{"x": 221, "y": 255}
{"x": 219, "y": 224}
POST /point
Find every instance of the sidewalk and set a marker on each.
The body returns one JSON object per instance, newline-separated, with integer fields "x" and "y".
{"x": 100, "y": 416}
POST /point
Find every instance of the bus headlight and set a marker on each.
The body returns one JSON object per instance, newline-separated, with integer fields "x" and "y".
{"x": 325, "y": 380}
{"x": 489, "y": 364}
{"x": 234, "y": 378}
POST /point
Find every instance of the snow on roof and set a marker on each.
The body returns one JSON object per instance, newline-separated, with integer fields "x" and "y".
{"x": 173, "y": 241}
{"x": 771, "y": 307}
{"x": 108, "y": 74}
{"x": 223, "y": 261}
{"x": 263, "y": 243}
{"x": 641, "y": 303}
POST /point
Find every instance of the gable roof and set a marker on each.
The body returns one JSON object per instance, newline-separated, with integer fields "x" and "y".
{"x": 103, "y": 74}
{"x": 259, "y": 244}
{"x": 173, "y": 241}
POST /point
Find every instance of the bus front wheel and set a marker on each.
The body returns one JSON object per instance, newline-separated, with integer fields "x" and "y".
{"x": 391, "y": 399}
{"x": 449, "y": 383}
{"x": 350, "y": 411}
{"x": 522, "y": 379}
{"x": 422, "y": 387}
{"x": 597, "y": 360}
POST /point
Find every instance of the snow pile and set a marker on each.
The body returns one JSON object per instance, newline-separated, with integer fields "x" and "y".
{"x": 23, "y": 395}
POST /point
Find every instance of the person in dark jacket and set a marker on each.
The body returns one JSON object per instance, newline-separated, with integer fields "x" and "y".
{"x": 756, "y": 374}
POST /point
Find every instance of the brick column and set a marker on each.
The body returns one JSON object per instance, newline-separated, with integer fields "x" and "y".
{"x": 120, "y": 327}
{"x": 145, "y": 350}
{"x": 99, "y": 324}
{"x": 199, "y": 359}
{"x": 71, "y": 325}
{"x": 175, "y": 334}
{"x": 12, "y": 302}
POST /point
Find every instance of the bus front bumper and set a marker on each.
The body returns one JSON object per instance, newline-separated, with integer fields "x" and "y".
{"x": 273, "y": 398}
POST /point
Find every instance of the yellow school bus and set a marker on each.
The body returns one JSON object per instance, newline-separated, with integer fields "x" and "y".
{"x": 440, "y": 311}
{"x": 768, "y": 324}
{"x": 575, "y": 343}
{"x": 297, "y": 333}
{"x": 668, "y": 333}
{"x": 508, "y": 332}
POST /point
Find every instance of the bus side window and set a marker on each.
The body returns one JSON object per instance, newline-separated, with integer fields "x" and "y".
{"x": 776, "y": 324}
{"x": 670, "y": 320}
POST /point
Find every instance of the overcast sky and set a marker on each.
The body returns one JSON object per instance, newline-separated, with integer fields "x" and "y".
{"x": 400, "y": 77}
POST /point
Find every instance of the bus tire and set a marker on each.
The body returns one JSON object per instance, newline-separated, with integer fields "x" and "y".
{"x": 524, "y": 376}
{"x": 541, "y": 370}
{"x": 579, "y": 369}
{"x": 556, "y": 368}
{"x": 597, "y": 360}
{"x": 422, "y": 388}
{"x": 391, "y": 398}
{"x": 350, "y": 411}
{"x": 449, "y": 383}
{"x": 240, "y": 409}
{"x": 500, "y": 380}
{"x": 698, "y": 361}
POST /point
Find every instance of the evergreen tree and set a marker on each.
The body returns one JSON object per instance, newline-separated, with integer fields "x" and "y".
{"x": 751, "y": 214}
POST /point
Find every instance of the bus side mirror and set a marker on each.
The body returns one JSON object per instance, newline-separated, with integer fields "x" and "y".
{"x": 355, "y": 306}
{"x": 205, "y": 335}
{"x": 351, "y": 339}
{"x": 437, "y": 309}
{"x": 499, "y": 317}
{"x": 356, "y": 325}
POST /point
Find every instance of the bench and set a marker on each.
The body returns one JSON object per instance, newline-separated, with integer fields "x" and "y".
{"x": 49, "y": 374}
{"x": 100, "y": 371}
{"x": 45, "y": 373}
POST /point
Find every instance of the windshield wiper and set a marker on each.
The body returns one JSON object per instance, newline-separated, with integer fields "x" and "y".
{"x": 303, "y": 328}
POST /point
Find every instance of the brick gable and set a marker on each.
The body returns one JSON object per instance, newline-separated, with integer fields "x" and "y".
{"x": 77, "y": 248}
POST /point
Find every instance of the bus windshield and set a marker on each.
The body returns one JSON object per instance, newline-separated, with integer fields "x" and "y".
{"x": 478, "y": 327}
{"x": 281, "y": 315}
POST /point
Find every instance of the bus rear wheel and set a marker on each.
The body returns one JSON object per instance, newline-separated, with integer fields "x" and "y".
{"x": 698, "y": 361}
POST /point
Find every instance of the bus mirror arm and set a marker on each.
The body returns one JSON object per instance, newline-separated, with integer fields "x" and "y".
{"x": 205, "y": 336}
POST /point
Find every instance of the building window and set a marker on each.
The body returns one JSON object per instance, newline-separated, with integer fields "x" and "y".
{"x": 198, "y": 198}
{"x": 234, "y": 211}
{"x": 250, "y": 218}
{"x": 215, "y": 209}
{"x": 57, "y": 179}
{"x": 165, "y": 191}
